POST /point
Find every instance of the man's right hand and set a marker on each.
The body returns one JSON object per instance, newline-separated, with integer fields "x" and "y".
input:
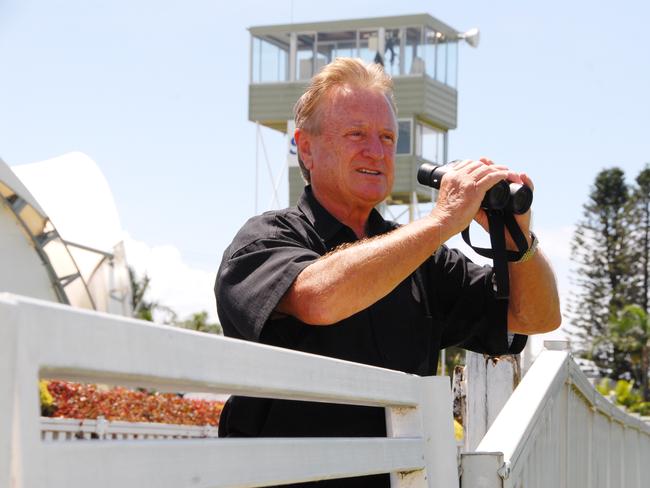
{"x": 462, "y": 190}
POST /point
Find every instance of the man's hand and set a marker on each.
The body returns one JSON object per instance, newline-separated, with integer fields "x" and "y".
{"x": 461, "y": 191}
{"x": 534, "y": 303}
{"x": 522, "y": 220}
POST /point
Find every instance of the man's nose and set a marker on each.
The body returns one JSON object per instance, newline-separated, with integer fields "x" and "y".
{"x": 374, "y": 147}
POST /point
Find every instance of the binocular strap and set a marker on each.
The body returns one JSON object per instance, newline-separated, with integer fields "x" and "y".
{"x": 498, "y": 220}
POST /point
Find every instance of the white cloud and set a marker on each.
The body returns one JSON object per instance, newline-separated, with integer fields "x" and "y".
{"x": 174, "y": 283}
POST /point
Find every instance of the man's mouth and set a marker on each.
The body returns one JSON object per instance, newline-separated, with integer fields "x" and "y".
{"x": 366, "y": 171}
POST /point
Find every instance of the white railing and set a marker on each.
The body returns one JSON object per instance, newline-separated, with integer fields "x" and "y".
{"x": 44, "y": 340}
{"x": 64, "y": 429}
{"x": 556, "y": 430}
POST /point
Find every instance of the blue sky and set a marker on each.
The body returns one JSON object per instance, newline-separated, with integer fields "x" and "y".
{"x": 156, "y": 94}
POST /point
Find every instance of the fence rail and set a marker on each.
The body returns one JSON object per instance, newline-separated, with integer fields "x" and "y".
{"x": 45, "y": 340}
{"x": 557, "y": 430}
{"x": 63, "y": 429}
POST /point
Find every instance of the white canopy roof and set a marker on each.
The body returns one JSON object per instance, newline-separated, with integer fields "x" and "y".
{"x": 76, "y": 196}
{"x": 60, "y": 235}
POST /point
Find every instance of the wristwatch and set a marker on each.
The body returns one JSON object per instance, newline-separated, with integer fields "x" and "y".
{"x": 532, "y": 249}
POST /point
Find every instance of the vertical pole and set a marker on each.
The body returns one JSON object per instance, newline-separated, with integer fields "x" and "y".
{"x": 20, "y": 436}
{"x": 358, "y": 39}
{"x": 8, "y": 339}
{"x": 314, "y": 55}
{"x": 446, "y": 61}
{"x": 443, "y": 362}
{"x": 412, "y": 207}
{"x": 402, "y": 50}
{"x": 257, "y": 163}
{"x": 432, "y": 420}
{"x": 481, "y": 469}
{"x": 440, "y": 453}
{"x": 381, "y": 43}
{"x": 445, "y": 155}
{"x": 435, "y": 56}
{"x": 457, "y": 63}
{"x": 250, "y": 61}
{"x": 293, "y": 49}
{"x": 490, "y": 382}
{"x": 476, "y": 400}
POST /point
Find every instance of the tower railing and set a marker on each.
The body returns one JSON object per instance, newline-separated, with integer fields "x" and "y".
{"x": 557, "y": 430}
{"x": 44, "y": 340}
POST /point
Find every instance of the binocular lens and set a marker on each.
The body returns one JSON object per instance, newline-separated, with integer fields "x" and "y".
{"x": 521, "y": 198}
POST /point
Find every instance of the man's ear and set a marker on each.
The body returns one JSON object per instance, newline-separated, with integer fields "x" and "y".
{"x": 303, "y": 143}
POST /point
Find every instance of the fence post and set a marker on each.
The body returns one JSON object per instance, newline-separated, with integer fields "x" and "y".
{"x": 8, "y": 339}
{"x": 482, "y": 470}
{"x": 433, "y": 421}
{"x": 489, "y": 384}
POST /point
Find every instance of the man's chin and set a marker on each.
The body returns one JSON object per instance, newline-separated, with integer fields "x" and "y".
{"x": 373, "y": 198}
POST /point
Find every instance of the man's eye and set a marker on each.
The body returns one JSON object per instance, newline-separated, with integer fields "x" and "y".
{"x": 389, "y": 138}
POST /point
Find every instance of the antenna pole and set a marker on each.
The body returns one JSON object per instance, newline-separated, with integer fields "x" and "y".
{"x": 257, "y": 162}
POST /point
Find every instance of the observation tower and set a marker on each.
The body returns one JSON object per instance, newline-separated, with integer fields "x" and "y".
{"x": 418, "y": 51}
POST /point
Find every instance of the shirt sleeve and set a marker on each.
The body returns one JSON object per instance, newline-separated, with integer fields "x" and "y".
{"x": 464, "y": 302}
{"x": 254, "y": 277}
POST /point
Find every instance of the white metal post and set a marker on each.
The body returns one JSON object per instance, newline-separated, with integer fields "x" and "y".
{"x": 293, "y": 50}
{"x": 433, "y": 421}
{"x": 26, "y": 443}
{"x": 483, "y": 466}
{"x": 490, "y": 382}
{"x": 402, "y": 51}
{"x": 8, "y": 333}
{"x": 381, "y": 43}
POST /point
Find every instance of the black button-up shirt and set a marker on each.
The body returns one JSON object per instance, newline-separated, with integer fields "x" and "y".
{"x": 448, "y": 301}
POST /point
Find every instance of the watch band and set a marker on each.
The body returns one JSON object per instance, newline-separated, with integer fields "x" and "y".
{"x": 532, "y": 249}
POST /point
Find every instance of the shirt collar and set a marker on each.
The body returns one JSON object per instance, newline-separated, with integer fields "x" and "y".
{"x": 327, "y": 225}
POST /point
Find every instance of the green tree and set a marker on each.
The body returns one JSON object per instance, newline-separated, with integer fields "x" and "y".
{"x": 624, "y": 394}
{"x": 199, "y": 322}
{"x": 603, "y": 269}
{"x": 629, "y": 333}
{"x": 641, "y": 232}
{"x": 143, "y": 308}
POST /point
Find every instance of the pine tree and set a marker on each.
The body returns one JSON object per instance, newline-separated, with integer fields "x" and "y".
{"x": 640, "y": 251}
{"x": 641, "y": 229}
{"x": 603, "y": 270}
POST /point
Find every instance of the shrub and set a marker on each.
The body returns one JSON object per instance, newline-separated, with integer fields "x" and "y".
{"x": 81, "y": 401}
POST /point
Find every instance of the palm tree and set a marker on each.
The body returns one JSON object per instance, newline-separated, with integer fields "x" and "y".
{"x": 144, "y": 309}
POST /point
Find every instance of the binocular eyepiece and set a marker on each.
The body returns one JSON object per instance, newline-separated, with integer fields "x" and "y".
{"x": 505, "y": 195}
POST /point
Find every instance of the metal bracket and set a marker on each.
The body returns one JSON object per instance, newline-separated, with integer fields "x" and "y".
{"x": 504, "y": 470}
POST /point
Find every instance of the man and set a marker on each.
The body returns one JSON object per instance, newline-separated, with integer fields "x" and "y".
{"x": 332, "y": 277}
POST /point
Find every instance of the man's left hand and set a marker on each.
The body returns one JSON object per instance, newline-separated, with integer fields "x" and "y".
{"x": 522, "y": 220}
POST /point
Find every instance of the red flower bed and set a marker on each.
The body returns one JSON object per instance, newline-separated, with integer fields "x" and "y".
{"x": 79, "y": 401}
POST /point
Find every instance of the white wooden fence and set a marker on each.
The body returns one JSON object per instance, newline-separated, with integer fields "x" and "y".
{"x": 45, "y": 340}
{"x": 63, "y": 429}
{"x": 556, "y": 430}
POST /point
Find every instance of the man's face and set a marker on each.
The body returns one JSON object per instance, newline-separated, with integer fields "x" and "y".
{"x": 351, "y": 160}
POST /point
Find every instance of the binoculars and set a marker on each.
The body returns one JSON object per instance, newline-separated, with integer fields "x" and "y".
{"x": 507, "y": 196}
